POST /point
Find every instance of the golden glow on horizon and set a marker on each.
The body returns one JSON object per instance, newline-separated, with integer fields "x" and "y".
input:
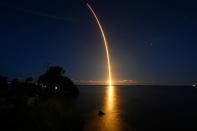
{"x": 105, "y": 42}
{"x": 100, "y": 82}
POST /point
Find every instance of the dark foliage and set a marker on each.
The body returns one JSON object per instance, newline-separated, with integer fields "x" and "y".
{"x": 26, "y": 105}
{"x": 56, "y": 82}
{"x": 3, "y": 85}
{"x": 29, "y": 79}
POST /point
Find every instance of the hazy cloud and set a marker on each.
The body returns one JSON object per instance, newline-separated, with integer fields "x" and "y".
{"x": 97, "y": 82}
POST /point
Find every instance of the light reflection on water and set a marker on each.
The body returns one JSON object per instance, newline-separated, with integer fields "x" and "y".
{"x": 134, "y": 108}
{"x": 111, "y": 121}
{"x": 112, "y": 118}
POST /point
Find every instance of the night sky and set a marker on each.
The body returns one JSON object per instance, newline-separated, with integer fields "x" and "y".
{"x": 151, "y": 42}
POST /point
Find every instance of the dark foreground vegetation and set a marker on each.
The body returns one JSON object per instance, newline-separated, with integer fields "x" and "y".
{"x": 45, "y": 104}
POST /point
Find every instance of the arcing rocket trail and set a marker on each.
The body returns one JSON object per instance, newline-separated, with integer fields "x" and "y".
{"x": 105, "y": 42}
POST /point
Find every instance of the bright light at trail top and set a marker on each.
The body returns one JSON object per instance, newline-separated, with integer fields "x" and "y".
{"x": 105, "y": 42}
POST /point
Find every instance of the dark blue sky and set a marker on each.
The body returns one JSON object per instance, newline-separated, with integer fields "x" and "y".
{"x": 152, "y": 42}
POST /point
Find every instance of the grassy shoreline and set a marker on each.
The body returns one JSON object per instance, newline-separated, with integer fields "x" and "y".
{"x": 52, "y": 114}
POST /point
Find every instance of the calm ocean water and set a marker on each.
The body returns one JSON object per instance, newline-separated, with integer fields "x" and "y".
{"x": 138, "y": 108}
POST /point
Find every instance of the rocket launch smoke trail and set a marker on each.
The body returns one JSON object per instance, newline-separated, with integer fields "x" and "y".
{"x": 105, "y": 42}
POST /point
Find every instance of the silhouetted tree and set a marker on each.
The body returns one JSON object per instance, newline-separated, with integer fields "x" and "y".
{"x": 15, "y": 81}
{"x": 3, "y": 81}
{"x": 29, "y": 80}
{"x": 3, "y": 85}
{"x": 55, "y": 81}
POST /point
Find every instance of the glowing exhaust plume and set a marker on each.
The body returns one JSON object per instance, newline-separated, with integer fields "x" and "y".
{"x": 105, "y": 42}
